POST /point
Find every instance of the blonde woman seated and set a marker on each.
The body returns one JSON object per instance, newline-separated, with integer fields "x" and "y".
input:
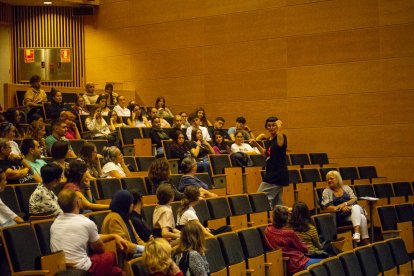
{"x": 113, "y": 163}
{"x": 341, "y": 199}
{"x": 189, "y": 168}
{"x": 119, "y": 222}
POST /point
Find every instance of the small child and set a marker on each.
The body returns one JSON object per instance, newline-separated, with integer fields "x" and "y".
{"x": 163, "y": 218}
{"x": 157, "y": 258}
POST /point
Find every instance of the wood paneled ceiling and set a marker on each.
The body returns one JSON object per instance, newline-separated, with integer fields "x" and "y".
{"x": 56, "y": 3}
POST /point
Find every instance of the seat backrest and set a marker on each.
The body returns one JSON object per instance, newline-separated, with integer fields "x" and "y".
{"x": 388, "y": 217}
{"x": 23, "y": 193}
{"x": 69, "y": 97}
{"x": 128, "y": 134}
{"x": 319, "y": 158}
{"x": 334, "y": 267}
{"x": 166, "y": 144}
{"x": 398, "y": 251}
{"x": 147, "y": 213}
{"x": 364, "y": 190}
{"x": 202, "y": 212}
{"x": 214, "y": 255}
{"x": 318, "y": 194}
{"x": 383, "y": 190}
{"x": 22, "y": 247}
{"x": 76, "y": 145}
{"x": 367, "y": 172}
{"x": 294, "y": 176}
{"x": 367, "y": 260}
{"x": 350, "y": 264}
{"x": 107, "y": 187}
{"x": 219, "y": 162}
{"x": 8, "y": 196}
{"x": 349, "y": 173}
{"x": 239, "y": 205}
{"x": 402, "y": 188}
{"x": 130, "y": 162}
{"x": 20, "y": 97}
{"x": 205, "y": 177}
{"x": 299, "y": 159}
{"x": 231, "y": 248}
{"x": 310, "y": 175}
{"x": 405, "y": 212}
{"x": 138, "y": 268}
{"x": 136, "y": 184}
{"x": 259, "y": 202}
{"x": 318, "y": 270}
{"x": 146, "y": 132}
{"x": 324, "y": 171}
{"x": 98, "y": 218}
{"x": 99, "y": 144}
{"x": 251, "y": 243}
{"x": 175, "y": 180}
{"x": 326, "y": 226}
{"x": 144, "y": 162}
{"x": 218, "y": 207}
{"x": 383, "y": 256}
{"x": 42, "y": 230}
{"x": 261, "y": 231}
{"x": 258, "y": 160}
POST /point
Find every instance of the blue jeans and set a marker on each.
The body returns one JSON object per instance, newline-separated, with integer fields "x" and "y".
{"x": 312, "y": 261}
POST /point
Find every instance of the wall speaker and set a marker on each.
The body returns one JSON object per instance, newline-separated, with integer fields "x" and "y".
{"x": 83, "y": 10}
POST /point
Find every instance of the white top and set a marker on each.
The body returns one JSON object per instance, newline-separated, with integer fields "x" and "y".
{"x": 90, "y": 98}
{"x": 98, "y": 129}
{"x": 111, "y": 166}
{"x": 244, "y": 147}
{"x": 122, "y": 112}
{"x": 139, "y": 123}
{"x": 14, "y": 147}
{"x": 188, "y": 215}
{"x": 164, "y": 123}
{"x": 72, "y": 233}
{"x": 204, "y": 131}
{"x": 5, "y": 213}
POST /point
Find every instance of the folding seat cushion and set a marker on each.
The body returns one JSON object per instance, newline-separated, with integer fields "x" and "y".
{"x": 107, "y": 187}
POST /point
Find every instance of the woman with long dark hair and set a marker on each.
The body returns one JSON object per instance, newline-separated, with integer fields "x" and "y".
{"x": 159, "y": 173}
{"x": 89, "y": 155}
{"x": 219, "y": 145}
{"x": 180, "y": 148}
{"x": 14, "y": 116}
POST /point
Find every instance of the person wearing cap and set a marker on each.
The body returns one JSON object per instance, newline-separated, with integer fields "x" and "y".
{"x": 89, "y": 96}
{"x": 276, "y": 175}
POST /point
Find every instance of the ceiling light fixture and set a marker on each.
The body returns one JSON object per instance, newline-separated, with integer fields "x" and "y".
{"x": 47, "y": 2}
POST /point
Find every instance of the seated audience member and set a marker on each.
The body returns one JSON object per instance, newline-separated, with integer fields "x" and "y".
{"x": 159, "y": 173}
{"x": 115, "y": 122}
{"x": 80, "y": 106}
{"x": 201, "y": 114}
{"x": 80, "y": 183}
{"x": 37, "y": 131}
{"x": 119, "y": 222}
{"x": 195, "y": 124}
{"x": 59, "y": 152}
{"x": 14, "y": 116}
{"x": 177, "y": 123}
{"x": 300, "y": 221}
{"x": 137, "y": 118}
{"x": 16, "y": 170}
{"x": 142, "y": 227}
{"x": 241, "y": 125}
{"x": 157, "y": 259}
{"x": 341, "y": 199}
{"x": 192, "y": 247}
{"x": 90, "y": 97}
{"x": 35, "y": 96}
{"x": 157, "y": 134}
{"x": 218, "y": 127}
{"x": 179, "y": 148}
{"x": 7, "y": 216}
{"x": 59, "y": 129}
{"x": 72, "y": 132}
{"x": 110, "y": 94}
{"x": 121, "y": 108}
{"x": 102, "y": 103}
{"x": 32, "y": 156}
{"x": 278, "y": 235}
{"x": 154, "y": 114}
{"x": 56, "y": 105}
{"x": 189, "y": 168}
{"x": 98, "y": 127}
{"x": 43, "y": 200}
{"x": 220, "y": 146}
{"x": 114, "y": 164}
{"x": 163, "y": 223}
{"x": 8, "y": 132}
{"x": 75, "y": 234}
{"x": 240, "y": 146}
{"x": 200, "y": 149}
{"x": 184, "y": 117}
{"x": 89, "y": 155}
{"x": 163, "y": 112}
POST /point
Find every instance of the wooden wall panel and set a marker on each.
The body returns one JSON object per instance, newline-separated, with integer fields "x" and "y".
{"x": 341, "y": 15}
{"x": 105, "y": 44}
{"x": 397, "y": 40}
{"x": 114, "y": 15}
{"x": 396, "y": 11}
{"x": 111, "y": 67}
{"x": 343, "y": 46}
{"x": 397, "y": 106}
{"x": 397, "y": 74}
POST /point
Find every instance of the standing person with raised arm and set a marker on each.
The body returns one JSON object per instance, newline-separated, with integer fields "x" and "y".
{"x": 276, "y": 175}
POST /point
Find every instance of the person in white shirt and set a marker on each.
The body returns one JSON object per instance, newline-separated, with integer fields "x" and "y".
{"x": 121, "y": 108}
{"x": 74, "y": 233}
{"x": 7, "y": 216}
{"x": 195, "y": 123}
{"x": 114, "y": 164}
{"x": 239, "y": 146}
{"x": 89, "y": 96}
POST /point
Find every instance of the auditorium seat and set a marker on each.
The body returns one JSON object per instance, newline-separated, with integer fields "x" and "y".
{"x": 240, "y": 210}
{"x": 350, "y": 263}
{"x": 333, "y": 266}
{"x": 232, "y": 253}
{"x": 253, "y": 251}
{"x": 403, "y": 189}
{"x": 400, "y": 256}
{"x": 260, "y": 208}
{"x": 384, "y": 258}
{"x": 367, "y": 260}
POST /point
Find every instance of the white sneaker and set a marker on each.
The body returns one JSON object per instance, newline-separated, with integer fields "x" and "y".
{"x": 356, "y": 237}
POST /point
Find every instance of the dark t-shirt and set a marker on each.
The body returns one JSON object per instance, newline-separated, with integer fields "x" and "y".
{"x": 203, "y": 149}
{"x": 141, "y": 226}
{"x": 7, "y": 164}
{"x": 276, "y": 165}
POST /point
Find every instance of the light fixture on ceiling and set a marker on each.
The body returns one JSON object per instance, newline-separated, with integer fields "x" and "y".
{"x": 47, "y": 2}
